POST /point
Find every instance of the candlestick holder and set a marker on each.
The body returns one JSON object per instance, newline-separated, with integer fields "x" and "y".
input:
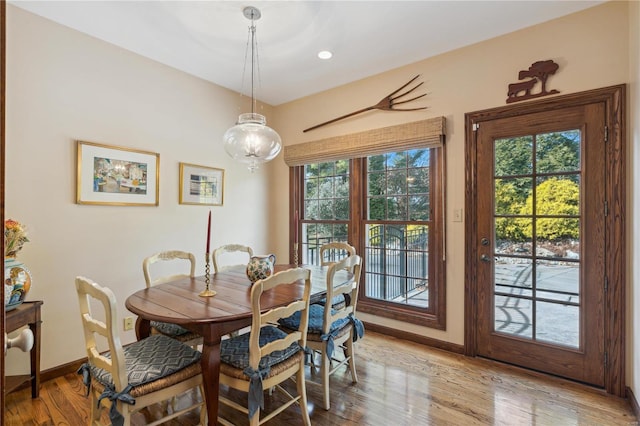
{"x": 295, "y": 254}
{"x": 207, "y": 292}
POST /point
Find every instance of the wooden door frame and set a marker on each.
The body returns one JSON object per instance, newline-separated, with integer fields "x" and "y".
{"x": 3, "y": 69}
{"x": 615, "y": 237}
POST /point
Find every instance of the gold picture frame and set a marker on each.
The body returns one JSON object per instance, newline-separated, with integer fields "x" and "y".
{"x": 201, "y": 185}
{"x": 115, "y": 175}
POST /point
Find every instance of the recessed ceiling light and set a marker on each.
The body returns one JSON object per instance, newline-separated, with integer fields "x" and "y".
{"x": 325, "y": 54}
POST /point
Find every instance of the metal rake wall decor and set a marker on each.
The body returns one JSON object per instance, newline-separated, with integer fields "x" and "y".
{"x": 388, "y": 103}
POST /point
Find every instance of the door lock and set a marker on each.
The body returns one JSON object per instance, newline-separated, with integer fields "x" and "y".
{"x": 485, "y": 258}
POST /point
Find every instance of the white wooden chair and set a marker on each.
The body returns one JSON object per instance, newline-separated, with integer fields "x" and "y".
{"x": 333, "y": 252}
{"x": 330, "y": 329}
{"x": 266, "y": 356}
{"x": 172, "y": 330}
{"x": 330, "y": 253}
{"x": 227, "y": 252}
{"x": 128, "y": 379}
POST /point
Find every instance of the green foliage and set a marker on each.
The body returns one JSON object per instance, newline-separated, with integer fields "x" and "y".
{"x": 327, "y": 191}
{"x": 555, "y": 197}
{"x": 558, "y": 152}
{"x": 508, "y": 201}
{"x": 398, "y": 185}
{"x": 555, "y": 152}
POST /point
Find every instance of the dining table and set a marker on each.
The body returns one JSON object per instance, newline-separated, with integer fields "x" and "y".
{"x": 179, "y": 302}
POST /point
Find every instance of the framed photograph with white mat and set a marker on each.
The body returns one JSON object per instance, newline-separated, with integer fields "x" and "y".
{"x": 201, "y": 185}
{"x": 115, "y": 175}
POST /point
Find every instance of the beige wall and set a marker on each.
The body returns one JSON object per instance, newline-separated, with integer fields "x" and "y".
{"x": 63, "y": 86}
{"x": 591, "y": 48}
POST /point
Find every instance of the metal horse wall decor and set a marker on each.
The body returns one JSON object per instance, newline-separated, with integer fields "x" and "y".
{"x": 537, "y": 72}
{"x": 387, "y": 103}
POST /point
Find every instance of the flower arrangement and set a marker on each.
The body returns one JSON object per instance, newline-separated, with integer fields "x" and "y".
{"x": 15, "y": 235}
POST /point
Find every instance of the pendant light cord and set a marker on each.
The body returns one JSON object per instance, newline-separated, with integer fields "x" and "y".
{"x": 253, "y": 63}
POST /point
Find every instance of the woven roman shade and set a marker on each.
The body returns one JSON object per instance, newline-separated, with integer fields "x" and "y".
{"x": 417, "y": 134}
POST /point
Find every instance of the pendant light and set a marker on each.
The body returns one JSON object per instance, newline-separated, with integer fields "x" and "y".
{"x": 251, "y": 141}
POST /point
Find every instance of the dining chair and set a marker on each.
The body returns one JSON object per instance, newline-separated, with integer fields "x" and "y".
{"x": 128, "y": 379}
{"x": 230, "y": 252}
{"x": 329, "y": 254}
{"x": 157, "y": 327}
{"x": 332, "y": 328}
{"x": 266, "y": 356}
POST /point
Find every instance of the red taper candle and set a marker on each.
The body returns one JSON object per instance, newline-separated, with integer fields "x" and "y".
{"x": 209, "y": 233}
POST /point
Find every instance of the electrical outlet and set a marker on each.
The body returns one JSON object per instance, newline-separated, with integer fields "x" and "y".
{"x": 128, "y": 323}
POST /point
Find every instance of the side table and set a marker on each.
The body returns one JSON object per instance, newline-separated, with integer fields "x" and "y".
{"x": 26, "y": 314}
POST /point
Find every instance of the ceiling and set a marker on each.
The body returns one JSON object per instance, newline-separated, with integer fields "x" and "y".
{"x": 208, "y": 39}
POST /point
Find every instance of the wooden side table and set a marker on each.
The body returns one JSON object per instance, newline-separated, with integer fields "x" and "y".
{"x": 26, "y": 314}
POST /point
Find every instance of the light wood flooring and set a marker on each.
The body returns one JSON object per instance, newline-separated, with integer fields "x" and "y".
{"x": 400, "y": 383}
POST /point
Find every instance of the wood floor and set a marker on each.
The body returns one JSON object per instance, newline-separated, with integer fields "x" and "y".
{"x": 400, "y": 383}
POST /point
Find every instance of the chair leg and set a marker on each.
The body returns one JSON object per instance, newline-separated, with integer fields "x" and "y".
{"x": 325, "y": 367}
{"x": 352, "y": 359}
{"x": 96, "y": 410}
{"x": 255, "y": 420}
{"x": 302, "y": 391}
{"x": 203, "y": 407}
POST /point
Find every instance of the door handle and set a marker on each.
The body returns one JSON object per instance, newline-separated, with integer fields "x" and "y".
{"x": 485, "y": 258}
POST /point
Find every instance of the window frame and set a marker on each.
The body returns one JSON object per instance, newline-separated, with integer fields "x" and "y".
{"x": 435, "y": 315}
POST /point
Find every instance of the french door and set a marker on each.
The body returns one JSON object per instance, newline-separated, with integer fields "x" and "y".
{"x": 542, "y": 239}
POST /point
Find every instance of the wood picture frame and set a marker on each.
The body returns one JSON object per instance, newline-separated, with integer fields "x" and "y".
{"x": 201, "y": 185}
{"x": 115, "y": 175}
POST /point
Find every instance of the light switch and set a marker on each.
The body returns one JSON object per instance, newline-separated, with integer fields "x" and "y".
{"x": 457, "y": 215}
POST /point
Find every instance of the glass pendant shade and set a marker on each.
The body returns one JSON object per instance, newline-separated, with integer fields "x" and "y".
{"x": 251, "y": 141}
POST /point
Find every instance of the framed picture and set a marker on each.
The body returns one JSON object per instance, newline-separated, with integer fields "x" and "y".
{"x": 201, "y": 185}
{"x": 113, "y": 175}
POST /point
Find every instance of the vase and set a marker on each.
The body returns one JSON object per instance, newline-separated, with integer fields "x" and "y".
{"x": 260, "y": 267}
{"x": 17, "y": 283}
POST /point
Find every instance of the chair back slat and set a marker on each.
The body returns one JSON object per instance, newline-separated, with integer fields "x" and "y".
{"x": 260, "y": 319}
{"x": 336, "y": 286}
{"x": 230, "y": 252}
{"x": 332, "y": 252}
{"x": 167, "y": 256}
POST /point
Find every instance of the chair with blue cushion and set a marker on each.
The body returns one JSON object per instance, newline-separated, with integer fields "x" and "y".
{"x": 266, "y": 356}
{"x": 128, "y": 379}
{"x": 334, "y": 328}
{"x": 330, "y": 253}
{"x": 175, "y": 256}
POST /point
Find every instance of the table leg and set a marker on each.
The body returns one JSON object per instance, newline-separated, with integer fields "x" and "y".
{"x": 143, "y": 328}
{"x": 35, "y": 359}
{"x": 210, "y": 362}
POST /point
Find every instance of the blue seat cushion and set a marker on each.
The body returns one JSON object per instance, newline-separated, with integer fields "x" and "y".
{"x": 337, "y": 302}
{"x": 235, "y": 351}
{"x": 316, "y": 317}
{"x": 169, "y": 329}
{"x": 150, "y": 359}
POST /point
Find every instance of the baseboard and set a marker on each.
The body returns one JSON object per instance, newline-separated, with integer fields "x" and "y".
{"x": 633, "y": 402}
{"x": 412, "y": 337}
{"x": 61, "y": 370}
{"x": 55, "y": 372}
{"x": 73, "y": 366}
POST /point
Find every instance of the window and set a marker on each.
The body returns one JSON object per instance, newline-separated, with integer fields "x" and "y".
{"x": 326, "y": 207}
{"x": 388, "y": 206}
